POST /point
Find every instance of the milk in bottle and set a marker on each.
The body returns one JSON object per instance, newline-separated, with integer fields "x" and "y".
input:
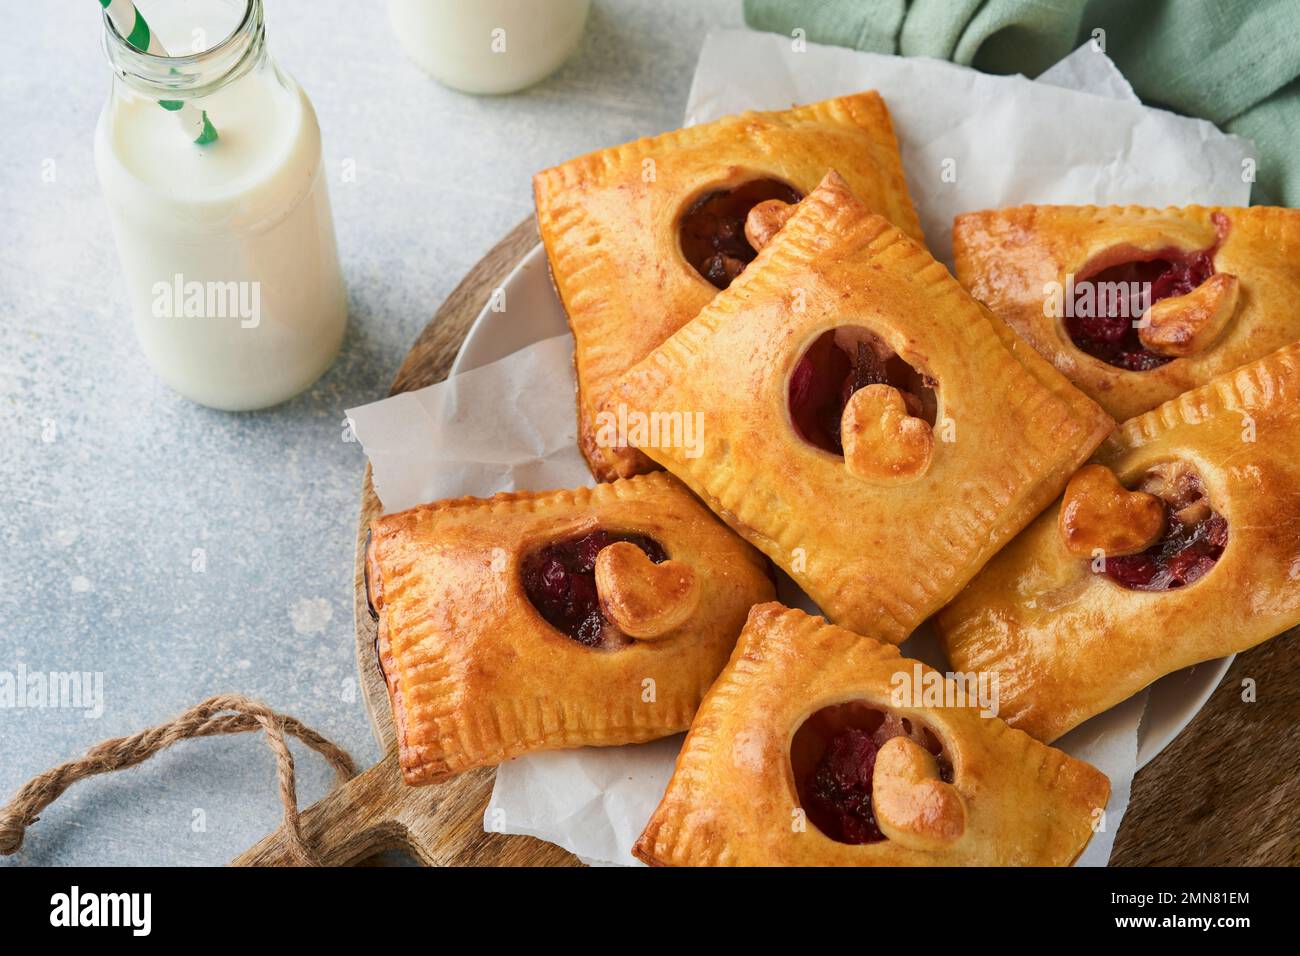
{"x": 228, "y": 248}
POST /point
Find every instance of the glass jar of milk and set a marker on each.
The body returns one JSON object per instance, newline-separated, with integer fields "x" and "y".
{"x": 489, "y": 46}
{"x": 228, "y": 248}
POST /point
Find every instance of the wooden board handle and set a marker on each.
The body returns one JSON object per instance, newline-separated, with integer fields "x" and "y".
{"x": 349, "y": 823}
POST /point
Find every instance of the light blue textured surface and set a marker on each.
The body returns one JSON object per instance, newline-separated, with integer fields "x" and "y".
{"x": 110, "y": 481}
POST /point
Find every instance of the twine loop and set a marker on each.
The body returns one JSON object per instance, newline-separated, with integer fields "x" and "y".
{"x": 226, "y": 714}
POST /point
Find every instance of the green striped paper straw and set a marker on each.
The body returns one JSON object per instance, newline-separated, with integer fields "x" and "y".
{"x": 133, "y": 27}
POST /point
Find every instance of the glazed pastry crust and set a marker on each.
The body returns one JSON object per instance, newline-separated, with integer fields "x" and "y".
{"x": 1068, "y": 643}
{"x": 476, "y": 675}
{"x": 1005, "y": 257}
{"x": 609, "y": 221}
{"x": 876, "y": 556}
{"x": 732, "y": 797}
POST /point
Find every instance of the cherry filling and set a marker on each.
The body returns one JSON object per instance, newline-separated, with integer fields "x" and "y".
{"x": 1194, "y": 537}
{"x": 1105, "y": 328}
{"x": 836, "y": 365}
{"x": 833, "y": 757}
{"x": 560, "y": 580}
{"x": 713, "y": 230}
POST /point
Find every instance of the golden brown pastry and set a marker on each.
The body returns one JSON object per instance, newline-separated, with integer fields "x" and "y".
{"x": 863, "y": 421}
{"x": 641, "y": 236}
{"x": 1071, "y": 633}
{"x": 537, "y": 621}
{"x": 804, "y": 753}
{"x": 1222, "y": 286}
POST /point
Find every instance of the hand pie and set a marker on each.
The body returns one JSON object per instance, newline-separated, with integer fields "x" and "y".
{"x": 641, "y": 236}
{"x": 1137, "y": 305}
{"x": 1099, "y": 597}
{"x": 863, "y": 421}
{"x": 811, "y": 750}
{"x": 537, "y": 621}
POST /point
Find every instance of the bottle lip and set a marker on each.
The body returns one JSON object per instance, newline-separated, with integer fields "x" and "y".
{"x": 189, "y": 75}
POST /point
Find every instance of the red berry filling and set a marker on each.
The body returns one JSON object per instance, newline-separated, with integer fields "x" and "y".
{"x": 560, "y": 580}
{"x": 834, "y": 757}
{"x": 1107, "y": 332}
{"x": 713, "y": 229}
{"x": 840, "y": 803}
{"x": 837, "y": 364}
{"x": 1194, "y": 537}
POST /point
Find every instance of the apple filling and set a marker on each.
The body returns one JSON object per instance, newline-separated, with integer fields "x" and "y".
{"x": 833, "y": 756}
{"x": 560, "y": 581}
{"x": 712, "y": 230}
{"x": 1194, "y": 537}
{"x": 837, "y": 364}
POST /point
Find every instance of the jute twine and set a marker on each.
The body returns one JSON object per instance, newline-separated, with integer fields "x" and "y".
{"x": 227, "y": 714}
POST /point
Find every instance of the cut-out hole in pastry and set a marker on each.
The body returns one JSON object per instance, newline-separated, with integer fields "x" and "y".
{"x": 1109, "y": 302}
{"x": 560, "y": 581}
{"x": 841, "y": 362}
{"x": 712, "y": 230}
{"x": 1193, "y": 539}
{"x": 833, "y": 757}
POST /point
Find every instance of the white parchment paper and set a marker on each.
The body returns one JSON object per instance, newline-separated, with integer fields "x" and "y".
{"x": 1076, "y": 135}
{"x": 508, "y": 426}
{"x": 974, "y": 141}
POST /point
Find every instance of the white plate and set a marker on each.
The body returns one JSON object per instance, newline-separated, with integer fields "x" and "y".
{"x": 534, "y": 313}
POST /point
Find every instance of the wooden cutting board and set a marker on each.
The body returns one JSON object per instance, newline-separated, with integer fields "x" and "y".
{"x": 1226, "y": 792}
{"x": 440, "y": 825}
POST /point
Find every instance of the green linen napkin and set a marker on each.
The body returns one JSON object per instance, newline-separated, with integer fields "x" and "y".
{"x": 1233, "y": 62}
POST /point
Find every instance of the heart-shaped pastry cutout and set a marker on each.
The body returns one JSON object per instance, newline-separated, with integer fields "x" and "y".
{"x": 913, "y": 806}
{"x": 1187, "y": 324}
{"x": 881, "y": 440}
{"x": 1100, "y": 514}
{"x": 765, "y": 221}
{"x": 645, "y": 600}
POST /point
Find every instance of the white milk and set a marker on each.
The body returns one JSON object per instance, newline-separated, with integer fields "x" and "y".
{"x": 489, "y": 46}
{"x": 228, "y": 250}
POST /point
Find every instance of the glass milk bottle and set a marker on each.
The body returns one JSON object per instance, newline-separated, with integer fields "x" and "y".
{"x": 227, "y": 247}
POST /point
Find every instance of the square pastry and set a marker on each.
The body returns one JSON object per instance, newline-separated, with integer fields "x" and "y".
{"x": 814, "y": 748}
{"x": 1135, "y": 305}
{"x": 863, "y": 420}
{"x": 538, "y": 621}
{"x": 1179, "y": 544}
{"x": 641, "y": 236}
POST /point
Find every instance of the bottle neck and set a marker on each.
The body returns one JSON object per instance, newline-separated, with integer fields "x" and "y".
{"x": 185, "y": 75}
